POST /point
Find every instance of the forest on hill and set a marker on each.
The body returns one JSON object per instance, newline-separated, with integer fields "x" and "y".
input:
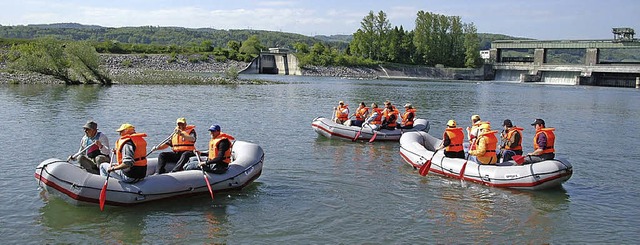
{"x": 180, "y": 36}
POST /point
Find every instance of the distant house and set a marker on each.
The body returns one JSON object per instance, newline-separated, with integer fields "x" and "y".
{"x": 278, "y": 50}
{"x": 484, "y": 54}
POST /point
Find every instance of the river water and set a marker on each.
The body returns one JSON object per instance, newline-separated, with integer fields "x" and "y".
{"x": 318, "y": 191}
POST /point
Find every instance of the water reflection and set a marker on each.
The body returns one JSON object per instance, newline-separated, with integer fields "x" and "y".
{"x": 172, "y": 221}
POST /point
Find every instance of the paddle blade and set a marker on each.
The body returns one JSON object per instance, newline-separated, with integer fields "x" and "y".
{"x": 375, "y": 134}
{"x": 103, "y": 194}
{"x": 357, "y": 136}
{"x": 208, "y": 185}
{"x": 519, "y": 159}
{"x": 464, "y": 166}
{"x": 424, "y": 169}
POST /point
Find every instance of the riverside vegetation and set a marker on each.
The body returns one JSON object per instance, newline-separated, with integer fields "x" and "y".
{"x": 439, "y": 47}
{"x": 437, "y": 41}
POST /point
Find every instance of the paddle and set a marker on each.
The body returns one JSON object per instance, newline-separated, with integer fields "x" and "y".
{"x": 333, "y": 117}
{"x": 359, "y": 132}
{"x": 103, "y": 192}
{"x": 206, "y": 179}
{"x": 464, "y": 166}
{"x": 357, "y": 135}
{"x": 159, "y": 144}
{"x": 375, "y": 134}
{"x": 74, "y": 156}
{"x": 424, "y": 169}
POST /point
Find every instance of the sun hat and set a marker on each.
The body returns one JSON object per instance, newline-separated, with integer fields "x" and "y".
{"x": 125, "y": 126}
{"x": 91, "y": 125}
{"x": 452, "y": 123}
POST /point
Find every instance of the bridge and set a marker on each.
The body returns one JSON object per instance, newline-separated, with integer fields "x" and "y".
{"x": 571, "y": 62}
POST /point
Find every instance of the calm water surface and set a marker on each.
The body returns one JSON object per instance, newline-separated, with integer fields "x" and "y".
{"x": 315, "y": 190}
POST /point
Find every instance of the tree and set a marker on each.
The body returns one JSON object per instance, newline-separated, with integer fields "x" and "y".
{"x": 251, "y": 46}
{"x": 471, "y": 46}
{"x": 73, "y": 63}
{"x": 381, "y": 34}
{"x": 233, "y": 45}
{"x": 301, "y": 47}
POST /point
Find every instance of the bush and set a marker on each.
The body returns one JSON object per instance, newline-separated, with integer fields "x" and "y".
{"x": 232, "y": 73}
{"x": 127, "y": 63}
{"x": 172, "y": 58}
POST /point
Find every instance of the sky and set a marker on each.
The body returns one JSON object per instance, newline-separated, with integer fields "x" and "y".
{"x": 537, "y": 19}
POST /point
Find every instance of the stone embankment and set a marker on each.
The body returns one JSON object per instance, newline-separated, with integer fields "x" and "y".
{"x": 124, "y": 68}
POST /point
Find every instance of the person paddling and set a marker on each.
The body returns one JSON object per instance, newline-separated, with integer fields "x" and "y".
{"x": 220, "y": 147}
{"x": 375, "y": 118}
{"x": 94, "y": 148}
{"x": 486, "y": 143}
{"x": 452, "y": 140}
{"x": 512, "y": 140}
{"x": 182, "y": 144}
{"x": 131, "y": 153}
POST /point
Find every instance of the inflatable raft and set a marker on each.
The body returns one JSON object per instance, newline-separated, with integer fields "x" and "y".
{"x": 416, "y": 148}
{"x": 79, "y": 187}
{"x": 328, "y": 128}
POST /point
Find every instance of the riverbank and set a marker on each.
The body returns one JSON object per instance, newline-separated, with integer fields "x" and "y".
{"x": 196, "y": 69}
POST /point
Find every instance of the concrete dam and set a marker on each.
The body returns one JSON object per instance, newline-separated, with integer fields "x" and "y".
{"x": 275, "y": 61}
{"x": 529, "y": 61}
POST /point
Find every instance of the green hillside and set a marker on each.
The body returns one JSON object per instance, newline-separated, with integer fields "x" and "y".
{"x": 184, "y": 36}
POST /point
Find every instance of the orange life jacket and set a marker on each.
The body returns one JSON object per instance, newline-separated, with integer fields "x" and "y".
{"x": 213, "y": 147}
{"x": 178, "y": 143}
{"x": 362, "y": 113}
{"x": 342, "y": 116}
{"x": 510, "y": 134}
{"x": 405, "y": 117}
{"x": 140, "y": 145}
{"x": 456, "y": 136}
{"x": 387, "y": 117}
{"x": 551, "y": 139}
{"x": 491, "y": 142}
{"x": 378, "y": 119}
{"x": 475, "y": 128}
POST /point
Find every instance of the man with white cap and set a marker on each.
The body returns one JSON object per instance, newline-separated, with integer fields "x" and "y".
{"x": 408, "y": 117}
{"x": 131, "y": 154}
{"x": 94, "y": 148}
{"x": 182, "y": 144}
{"x": 341, "y": 112}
